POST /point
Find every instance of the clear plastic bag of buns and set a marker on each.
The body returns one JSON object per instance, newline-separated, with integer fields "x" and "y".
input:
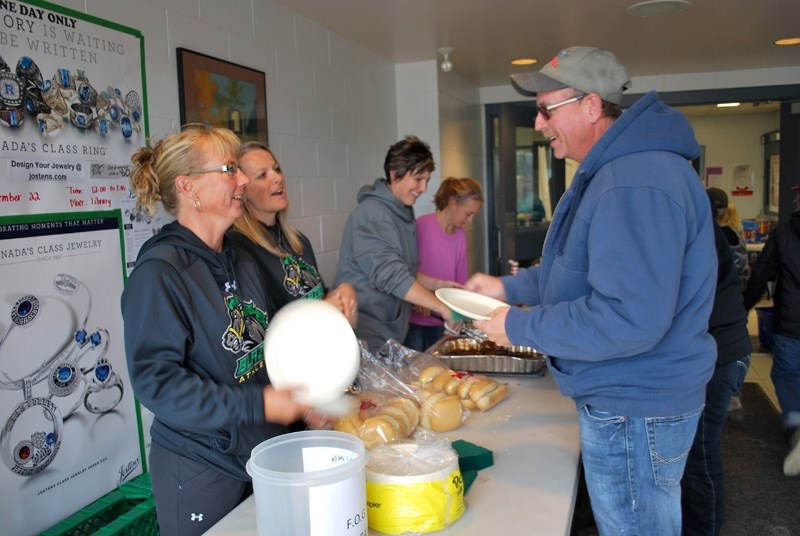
{"x": 387, "y": 411}
{"x": 381, "y": 418}
{"x": 474, "y": 391}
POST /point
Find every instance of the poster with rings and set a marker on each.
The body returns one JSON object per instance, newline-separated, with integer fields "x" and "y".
{"x": 69, "y": 424}
{"x": 72, "y": 109}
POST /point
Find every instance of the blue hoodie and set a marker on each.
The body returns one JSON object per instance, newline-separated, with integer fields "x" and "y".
{"x": 622, "y": 298}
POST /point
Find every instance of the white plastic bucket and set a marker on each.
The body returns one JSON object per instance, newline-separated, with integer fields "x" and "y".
{"x": 310, "y": 483}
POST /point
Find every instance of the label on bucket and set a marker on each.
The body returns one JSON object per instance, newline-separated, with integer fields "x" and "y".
{"x": 340, "y": 508}
{"x": 416, "y": 507}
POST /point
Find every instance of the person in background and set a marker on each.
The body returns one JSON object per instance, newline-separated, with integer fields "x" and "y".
{"x": 378, "y": 254}
{"x": 621, "y": 300}
{"x": 726, "y": 216}
{"x": 780, "y": 261}
{"x": 702, "y": 486}
{"x": 529, "y": 207}
{"x": 732, "y": 219}
{"x": 195, "y": 315}
{"x": 442, "y": 249}
{"x": 284, "y": 254}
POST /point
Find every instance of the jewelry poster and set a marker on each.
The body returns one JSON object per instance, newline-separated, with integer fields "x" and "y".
{"x": 69, "y": 425}
{"x": 73, "y": 109}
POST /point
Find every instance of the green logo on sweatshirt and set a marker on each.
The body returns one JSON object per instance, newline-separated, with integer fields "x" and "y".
{"x": 245, "y": 334}
{"x": 301, "y": 278}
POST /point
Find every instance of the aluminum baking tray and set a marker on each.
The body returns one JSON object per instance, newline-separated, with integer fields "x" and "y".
{"x": 473, "y": 355}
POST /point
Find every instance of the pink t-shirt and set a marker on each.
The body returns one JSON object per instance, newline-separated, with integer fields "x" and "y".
{"x": 441, "y": 255}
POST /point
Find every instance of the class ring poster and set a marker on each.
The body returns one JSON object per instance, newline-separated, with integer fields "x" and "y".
{"x": 73, "y": 109}
{"x": 69, "y": 425}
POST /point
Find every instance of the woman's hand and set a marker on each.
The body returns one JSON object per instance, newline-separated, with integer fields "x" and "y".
{"x": 344, "y": 298}
{"x": 281, "y": 407}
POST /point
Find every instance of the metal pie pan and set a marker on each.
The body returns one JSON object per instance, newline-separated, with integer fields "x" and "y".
{"x": 471, "y": 355}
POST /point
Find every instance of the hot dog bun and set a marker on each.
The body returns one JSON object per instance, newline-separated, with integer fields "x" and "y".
{"x": 492, "y": 398}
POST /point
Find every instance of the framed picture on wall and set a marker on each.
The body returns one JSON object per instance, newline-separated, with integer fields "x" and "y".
{"x": 223, "y": 94}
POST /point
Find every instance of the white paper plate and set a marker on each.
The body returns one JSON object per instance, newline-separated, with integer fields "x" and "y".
{"x": 311, "y": 346}
{"x": 469, "y": 304}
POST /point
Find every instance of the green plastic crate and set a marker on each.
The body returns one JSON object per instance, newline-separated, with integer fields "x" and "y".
{"x": 129, "y": 510}
{"x": 139, "y": 521}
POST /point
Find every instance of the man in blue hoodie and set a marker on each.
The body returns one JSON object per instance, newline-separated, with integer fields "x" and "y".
{"x": 621, "y": 300}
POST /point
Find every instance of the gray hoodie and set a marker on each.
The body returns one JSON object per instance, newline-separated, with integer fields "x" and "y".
{"x": 378, "y": 257}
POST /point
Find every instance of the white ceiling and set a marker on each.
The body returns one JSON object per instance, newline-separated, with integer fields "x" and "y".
{"x": 708, "y": 36}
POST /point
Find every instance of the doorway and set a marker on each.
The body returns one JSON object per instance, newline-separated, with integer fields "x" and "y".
{"x": 524, "y": 183}
{"x": 508, "y": 125}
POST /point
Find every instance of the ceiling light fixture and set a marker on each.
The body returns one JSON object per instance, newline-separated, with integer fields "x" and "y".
{"x": 446, "y": 64}
{"x": 524, "y": 61}
{"x": 788, "y": 41}
{"x": 654, "y": 8}
{"x": 728, "y": 105}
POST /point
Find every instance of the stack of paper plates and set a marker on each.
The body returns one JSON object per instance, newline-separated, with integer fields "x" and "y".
{"x": 311, "y": 346}
{"x": 469, "y": 304}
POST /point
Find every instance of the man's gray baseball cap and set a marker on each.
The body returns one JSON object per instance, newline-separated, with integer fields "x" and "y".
{"x": 588, "y": 69}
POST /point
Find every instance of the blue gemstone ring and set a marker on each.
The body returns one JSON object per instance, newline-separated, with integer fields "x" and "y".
{"x": 49, "y": 123}
{"x": 81, "y": 115}
{"x": 11, "y": 90}
{"x": 25, "y": 310}
{"x": 105, "y": 390}
{"x": 64, "y": 379}
{"x": 29, "y": 71}
{"x": 11, "y": 117}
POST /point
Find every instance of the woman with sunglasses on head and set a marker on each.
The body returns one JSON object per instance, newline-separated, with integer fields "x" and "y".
{"x": 283, "y": 253}
{"x": 442, "y": 249}
{"x": 195, "y": 313}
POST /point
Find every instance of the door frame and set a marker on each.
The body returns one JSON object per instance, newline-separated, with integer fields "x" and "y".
{"x": 508, "y": 115}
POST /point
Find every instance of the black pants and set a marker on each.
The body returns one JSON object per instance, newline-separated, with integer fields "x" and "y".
{"x": 191, "y": 496}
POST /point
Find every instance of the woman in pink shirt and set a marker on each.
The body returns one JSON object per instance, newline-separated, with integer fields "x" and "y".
{"x": 442, "y": 248}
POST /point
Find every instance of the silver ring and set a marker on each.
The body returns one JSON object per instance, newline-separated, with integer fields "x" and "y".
{"x": 81, "y": 115}
{"x": 11, "y": 89}
{"x": 87, "y": 94}
{"x": 64, "y": 79}
{"x": 104, "y": 379}
{"x": 29, "y": 71}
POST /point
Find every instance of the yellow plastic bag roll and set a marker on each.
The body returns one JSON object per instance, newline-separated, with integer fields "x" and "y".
{"x": 412, "y": 489}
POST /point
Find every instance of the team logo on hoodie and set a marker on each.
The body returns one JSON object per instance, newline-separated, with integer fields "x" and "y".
{"x": 245, "y": 334}
{"x": 301, "y": 279}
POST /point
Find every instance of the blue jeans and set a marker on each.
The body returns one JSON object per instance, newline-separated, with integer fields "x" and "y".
{"x": 420, "y": 338}
{"x": 703, "y": 497}
{"x": 633, "y": 468}
{"x": 786, "y": 377}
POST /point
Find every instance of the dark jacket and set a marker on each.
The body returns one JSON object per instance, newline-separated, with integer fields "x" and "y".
{"x": 728, "y": 321}
{"x": 288, "y": 278}
{"x": 194, "y": 347}
{"x": 779, "y": 261}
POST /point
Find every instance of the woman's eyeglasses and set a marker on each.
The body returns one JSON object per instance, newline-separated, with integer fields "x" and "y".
{"x": 544, "y": 111}
{"x": 229, "y": 169}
